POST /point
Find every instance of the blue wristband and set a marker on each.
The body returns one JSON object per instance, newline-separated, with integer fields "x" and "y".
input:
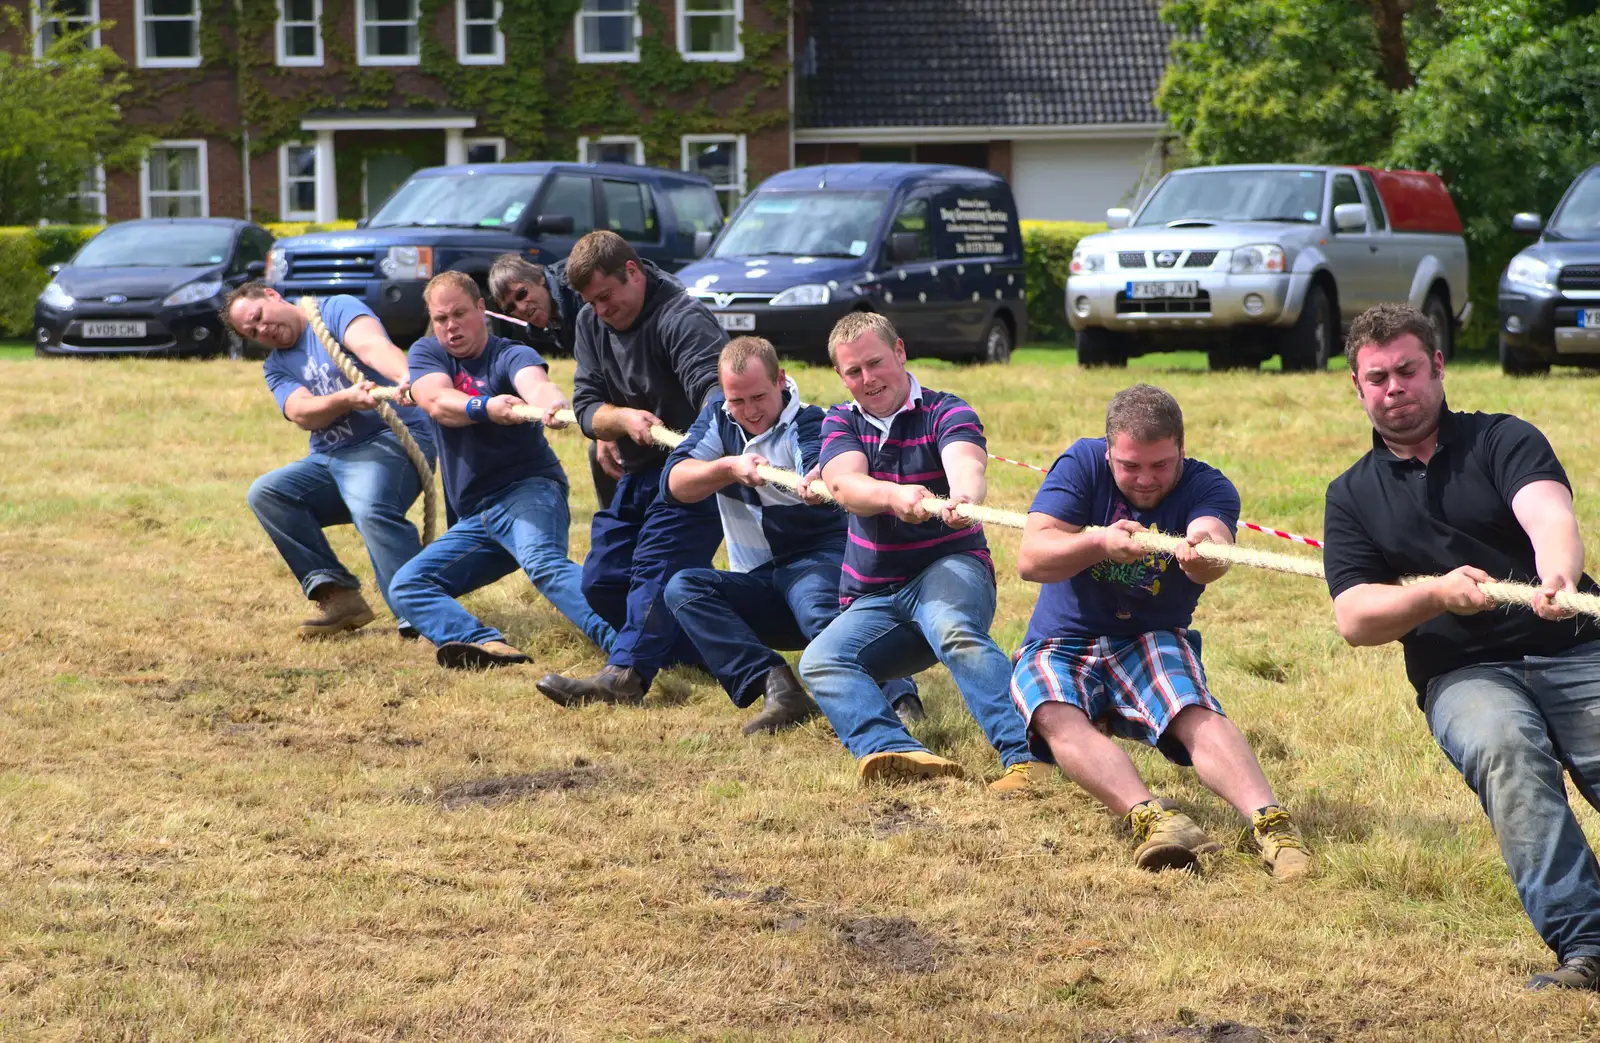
{"x": 478, "y": 409}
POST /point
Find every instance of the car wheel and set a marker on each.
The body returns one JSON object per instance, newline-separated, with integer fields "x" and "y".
{"x": 1514, "y": 363}
{"x": 996, "y": 341}
{"x": 1444, "y": 327}
{"x": 1309, "y": 342}
{"x": 1100, "y": 347}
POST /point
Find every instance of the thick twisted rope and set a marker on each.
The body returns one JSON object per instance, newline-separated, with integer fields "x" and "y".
{"x": 419, "y": 459}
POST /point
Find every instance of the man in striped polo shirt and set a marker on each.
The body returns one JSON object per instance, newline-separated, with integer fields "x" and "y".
{"x": 917, "y": 587}
{"x": 784, "y": 547}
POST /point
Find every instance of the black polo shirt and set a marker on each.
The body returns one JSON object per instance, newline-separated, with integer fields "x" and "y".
{"x": 1388, "y": 517}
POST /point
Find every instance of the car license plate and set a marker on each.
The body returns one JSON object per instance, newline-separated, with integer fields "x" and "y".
{"x": 113, "y": 329}
{"x": 1589, "y": 318}
{"x": 736, "y": 320}
{"x": 1144, "y": 291}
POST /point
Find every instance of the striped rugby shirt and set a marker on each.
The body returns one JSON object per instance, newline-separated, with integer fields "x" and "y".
{"x": 882, "y": 552}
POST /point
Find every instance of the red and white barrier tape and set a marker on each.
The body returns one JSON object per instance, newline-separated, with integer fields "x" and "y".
{"x": 508, "y": 318}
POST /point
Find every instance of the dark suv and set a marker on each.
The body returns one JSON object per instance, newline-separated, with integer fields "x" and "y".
{"x": 1550, "y": 292}
{"x": 461, "y": 218}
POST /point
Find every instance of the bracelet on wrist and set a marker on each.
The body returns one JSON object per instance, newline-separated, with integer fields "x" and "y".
{"x": 478, "y": 409}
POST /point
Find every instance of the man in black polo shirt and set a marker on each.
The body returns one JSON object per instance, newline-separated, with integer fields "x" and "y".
{"x": 1512, "y": 696}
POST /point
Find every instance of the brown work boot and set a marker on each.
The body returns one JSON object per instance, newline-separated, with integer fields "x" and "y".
{"x": 786, "y": 703}
{"x": 1168, "y": 839}
{"x": 338, "y": 609}
{"x": 462, "y": 655}
{"x": 1283, "y": 849}
{"x": 613, "y": 684}
{"x": 1575, "y": 972}
{"x": 905, "y": 766}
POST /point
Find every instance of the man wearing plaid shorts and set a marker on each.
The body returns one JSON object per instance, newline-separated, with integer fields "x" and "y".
{"x": 1109, "y": 647}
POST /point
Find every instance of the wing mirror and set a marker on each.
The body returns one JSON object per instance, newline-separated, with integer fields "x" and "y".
{"x": 702, "y": 242}
{"x": 1527, "y": 223}
{"x": 903, "y": 247}
{"x": 554, "y": 224}
{"x": 1350, "y": 217}
{"x": 1118, "y": 217}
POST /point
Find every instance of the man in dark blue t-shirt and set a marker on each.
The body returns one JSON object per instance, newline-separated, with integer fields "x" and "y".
{"x": 1109, "y": 646}
{"x": 507, "y": 491}
{"x": 356, "y": 473}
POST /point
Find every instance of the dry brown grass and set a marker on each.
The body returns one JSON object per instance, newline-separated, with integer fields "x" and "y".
{"x": 210, "y": 831}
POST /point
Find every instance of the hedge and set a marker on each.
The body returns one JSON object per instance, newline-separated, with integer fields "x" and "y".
{"x": 1047, "y": 252}
{"x": 26, "y": 254}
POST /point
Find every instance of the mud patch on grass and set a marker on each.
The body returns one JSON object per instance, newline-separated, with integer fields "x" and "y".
{"x": 505, "y": 789}
{"x": 893, "y": 942}
{"x": 1218, "y": 1032}
{"x": 725, "y": 886}
{"x": 894, "y": 815}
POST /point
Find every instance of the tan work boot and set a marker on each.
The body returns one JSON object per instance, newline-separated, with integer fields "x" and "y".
{"x": 338, "y": 609}
{"x": 1026, "y": 778}
{"x": 1168, "y": 839}
{"x": 1283, "y": 848}
{"x": 463, "y": 655}
{"x": 905, "y": 766}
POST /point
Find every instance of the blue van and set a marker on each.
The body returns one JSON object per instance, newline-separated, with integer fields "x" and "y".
{"x": 937, "y": 249}
{"x": 462, "y": 217}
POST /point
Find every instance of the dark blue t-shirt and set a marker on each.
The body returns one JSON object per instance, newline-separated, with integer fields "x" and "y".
{"x": 307, "y": 365}
{"x": 1112, "y": 600}
{"x": 480, "y": 460}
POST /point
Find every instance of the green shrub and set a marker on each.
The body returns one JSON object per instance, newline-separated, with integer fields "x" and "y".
{"x": 284, "y": 229}
{"x": 1047, "y": 252}
{"x": 25, "y": 256}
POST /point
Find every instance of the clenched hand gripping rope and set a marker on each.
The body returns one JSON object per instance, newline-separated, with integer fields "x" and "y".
{"x": 419, "y": 460}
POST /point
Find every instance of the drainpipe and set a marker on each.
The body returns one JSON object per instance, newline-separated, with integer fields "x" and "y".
{"x": 238, "y": 96}
{"x": 791, "y": 84}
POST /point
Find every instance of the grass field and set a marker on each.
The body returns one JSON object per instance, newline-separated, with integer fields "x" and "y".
{"x": 211, "y": 831}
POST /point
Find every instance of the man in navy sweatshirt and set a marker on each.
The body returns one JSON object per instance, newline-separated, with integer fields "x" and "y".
{"x": 647, "y": 355}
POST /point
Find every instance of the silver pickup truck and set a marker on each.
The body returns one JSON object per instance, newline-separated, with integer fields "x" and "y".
{"x": 1247, "y": 262}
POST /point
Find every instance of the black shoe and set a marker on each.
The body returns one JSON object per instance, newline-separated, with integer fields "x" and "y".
{"x": 786, "y": 703}
{"x": 909, "y": 709}
{"x": 613, "y": 684}
{"x": 1576, "y": 972}
{"x": 461, "y": 655}
{"x": 407, "y": 632}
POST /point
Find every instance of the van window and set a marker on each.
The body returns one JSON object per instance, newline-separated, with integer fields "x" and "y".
{"x": 694, "y": 208}
{"x": 571, "y": 196}
{"x": 1374, "y": 202}
{"x": 913, "y": 218}
{"x": 972, "y": 222}
{"x": 630, "y": 212}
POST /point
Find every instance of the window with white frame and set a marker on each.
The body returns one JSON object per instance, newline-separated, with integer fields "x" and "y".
{"x": 387, "y": 32}
{"x": 169, "y": 33}
{"x": 173, "y": 181}
{"x": 53, "y": 18}
{"x": 608, "y": 31}
{"x": 708, "y": 30}
{"x": 720, "y": 157}
{"x": 478, "y": 37}
{"x": 297, "y": 182}
{"x": 485, "y": 150}
{"x": 612, "y": 148}
{"x": 299, "y": 32}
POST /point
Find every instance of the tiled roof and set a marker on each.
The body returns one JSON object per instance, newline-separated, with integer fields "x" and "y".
{"x": 896, "y": 63}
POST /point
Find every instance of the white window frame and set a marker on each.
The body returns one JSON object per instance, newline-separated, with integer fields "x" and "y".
{"x": 205, "y": 175}
{"x": 498, "y": 143}
{"x": 585, "y": 56}
{"x": 38, "y": 6}
{"x": 363, "y": 58}
{"x": 293, "y": 61}
{"x": 284, "y": 212}
{"x": 737, "y": 189}
{"x": 98, "y": 177}
{"x": 144, "y": 61}
{"x": 735, "y": 55}
{"x": 612, "y": 139}
{"x": 499, "y": 55}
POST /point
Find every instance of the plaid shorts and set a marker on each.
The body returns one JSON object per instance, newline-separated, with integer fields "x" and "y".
{"x": 1129, "y": 687}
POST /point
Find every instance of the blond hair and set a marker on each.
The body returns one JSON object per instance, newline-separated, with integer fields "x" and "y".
{"x": 854, "y": 325}
{"x": 451, "y": 281}
{"x": 739, "y": 351}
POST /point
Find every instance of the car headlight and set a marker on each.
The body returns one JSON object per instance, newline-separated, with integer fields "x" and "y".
{"x": 1530, "y": 271}
{"x": 201, "y": 290}
{"x": 1260, "y": 259}
{"x": 277, "y": 265}
{"x": 55, "y": 297}
{"x": 1084, "y": 263}
{"x": 807, "y": 294}
{"x": 407, "y": 262}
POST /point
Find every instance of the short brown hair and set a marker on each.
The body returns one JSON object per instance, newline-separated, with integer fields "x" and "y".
{"x": 510, "y": 268}
{"x": 250, "y": 291}
{"x": 1146, "y": 413}
{"x": 854, "y": 325}
{"x": 738, "y": 352}
{"x": 1384, "y": 324}
{"x": 600, "y": 251}
{"x": 451, "y": 281}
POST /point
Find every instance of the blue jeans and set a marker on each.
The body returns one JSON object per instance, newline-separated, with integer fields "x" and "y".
{"x": 1510, "y": 729}
{"x": 636, "y": 544}
{"x": 371, "y": 485}
{"x": 736, "y": 619}
{"x": 523, "y": 525}
{"x": 940, "y": 615}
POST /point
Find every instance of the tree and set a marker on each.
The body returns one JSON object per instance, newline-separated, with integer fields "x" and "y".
{"x": 62, "y": 119}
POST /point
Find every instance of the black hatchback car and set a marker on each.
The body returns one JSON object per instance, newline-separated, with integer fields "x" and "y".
{"x": 150, "y": 287}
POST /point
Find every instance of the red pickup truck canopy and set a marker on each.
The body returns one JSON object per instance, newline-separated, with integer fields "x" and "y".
{"x": 1416, "y": 201}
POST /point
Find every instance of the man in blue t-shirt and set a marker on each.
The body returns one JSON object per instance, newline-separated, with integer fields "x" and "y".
{"x": 357, "y": 472}
{"x": 1109, "y": 646}
{"x": 506, "y": 489}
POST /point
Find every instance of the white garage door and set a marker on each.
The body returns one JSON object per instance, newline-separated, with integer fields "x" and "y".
{"x": 1077, "y": 180}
